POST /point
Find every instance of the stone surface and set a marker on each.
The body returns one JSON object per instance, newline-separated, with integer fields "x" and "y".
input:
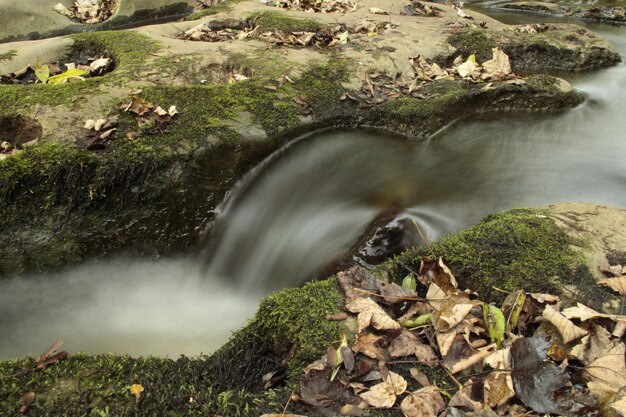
{"x": 35, "y": 19}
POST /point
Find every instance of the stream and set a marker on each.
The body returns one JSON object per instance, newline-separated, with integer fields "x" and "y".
{"x": 304, "y": 208}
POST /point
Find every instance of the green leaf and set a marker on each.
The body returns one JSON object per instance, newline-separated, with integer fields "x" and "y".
{"x": 339, "y": 357}
{"x": 495, "y": 323}
{"x": 409, "y": 282}
{"x": 418, "y": 321}
{"x": 65, "y": 77}
{"x": 343, "y": 38}
{"x": 42, "y": 71}
{"x": 512, "y": 307}
{"x": 472, "y": 58}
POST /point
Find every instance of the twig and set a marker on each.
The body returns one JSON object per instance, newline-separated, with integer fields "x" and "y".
{"x": 288, "y": 401}
{"x": 426, "y": 241}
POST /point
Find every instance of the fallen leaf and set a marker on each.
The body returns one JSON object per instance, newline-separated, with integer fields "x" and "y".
{"x": 499, "y": 359}
{"x": 534, "y": 380}
{"x": 494, "y": 319}
{"x": 498, "y": 389}
{"x": 371, "y": 313}
{"x": 512, "y": 308}
{"x": 136, "y": 390}
{"x": 29, "y": 399}
{"x": 68, "y": 76}
{"x": 568, "y": 330}
{"x": 425, "y": 402}
{"x": 469, "y": 68}
{"x": 616, "y": 284}
{"x": 420, "y": 377}
{"x": 607, "y": 374}
{"x": 384, "y": 395}
{"x": 451, "y": 313}
{"x": 463, "y": 397}
{"x": 619, "y": 406}
{"x": 407, "y": 344}
{"x": 366, "y": 344}
{"x": 437, "y": 272}
{"x": 48, "y": 353}
{"x": 497, "y": 67}
{"x": 376, "y": 10}
{"x": 470, "y": 361}
{"x": 584, "y": 313}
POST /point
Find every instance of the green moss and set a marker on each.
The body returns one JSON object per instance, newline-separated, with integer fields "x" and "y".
{"x": 515, "y": 249}
{"x": 473, "y": 41}
{"x": 222, "y": 7}
{"x": 9, "y": 55}
{"x": 269, "y": 21}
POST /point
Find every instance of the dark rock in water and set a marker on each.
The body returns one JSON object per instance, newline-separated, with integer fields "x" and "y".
{"x": 389, "y": 239}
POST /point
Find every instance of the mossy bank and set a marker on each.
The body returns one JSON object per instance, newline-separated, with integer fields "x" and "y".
{"x": 509, "y": 250}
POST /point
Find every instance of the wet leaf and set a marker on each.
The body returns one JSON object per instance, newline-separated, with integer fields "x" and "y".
{"x": 384, "y": 395}
{"x": 494, "y": 319}
{"x": 425, "y": 402}
{"x": 534, "y": 380}
{"x": 371, "y": 313}
{"x": 568, "y": 330}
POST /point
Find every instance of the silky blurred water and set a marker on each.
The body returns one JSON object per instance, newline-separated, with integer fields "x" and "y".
{"x": 303, "y": 209}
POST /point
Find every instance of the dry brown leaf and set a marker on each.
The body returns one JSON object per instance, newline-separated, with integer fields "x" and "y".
{"x": 498, "y": 389}
{"x": 48, "y": 353}
{"x": 585, "y": 313}
{"x": 371, "y": 313}
{"x": 445, "y": 341}
{"x": 450, "y": 314}
{"x": 29, "y": 399}
{"x": 616, "y": 284}
{"x": 437, "y": 272}
{"x": 568, "y": 330}
{"x": 463, "y": 398}
{"x": 425, "y": 402}
{"x": 619, "y": 330}
{"x": 376, "y": 10}
{"x": 620, "y": 405}
{"x": 497, "y": 67}
{"x": 607, "y": 374}
{"x": 545, "y": 298}
{"x": 499, "y": 359}
{"x": 366, "y": 344}
{"x": 384, "y": 395}
{"x": 436, "y": 296}
{"x": 472, "y": 360}
{"x": 419, "y": 376}
{"x": 407, "y": 344}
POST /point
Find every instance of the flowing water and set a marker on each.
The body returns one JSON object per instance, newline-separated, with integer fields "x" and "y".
{"x": 304, "y": 208}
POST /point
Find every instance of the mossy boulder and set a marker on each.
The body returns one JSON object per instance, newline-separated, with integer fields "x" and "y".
{"x": 506, "y": 251}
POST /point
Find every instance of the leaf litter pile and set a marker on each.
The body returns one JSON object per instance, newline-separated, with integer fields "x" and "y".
{"x": 316, "y": 6}
{"x": 88, "y": 11}
{"x": 234, "y": 29}
{"x": 61, "y": 72}
{"x": 532, "y": 355}
{"x": 380, "y": 87}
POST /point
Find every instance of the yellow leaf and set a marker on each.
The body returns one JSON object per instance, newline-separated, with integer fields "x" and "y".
{"x": 136, "y": 390}
{"x": 73, "y": 73}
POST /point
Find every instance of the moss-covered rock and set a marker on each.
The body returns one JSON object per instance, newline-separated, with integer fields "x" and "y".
{"x": 151, "y": 195}
{"x": 506, "y": 251}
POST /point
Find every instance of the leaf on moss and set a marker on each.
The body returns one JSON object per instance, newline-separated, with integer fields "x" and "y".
{"x": 534, "y": 380}
{"x": 384, "y": 395}
{"x": 616, "y": 284}
{"x": 73, "y": 74}
{"x": 437, "y": 272}
{"x": 371, "y": 313}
